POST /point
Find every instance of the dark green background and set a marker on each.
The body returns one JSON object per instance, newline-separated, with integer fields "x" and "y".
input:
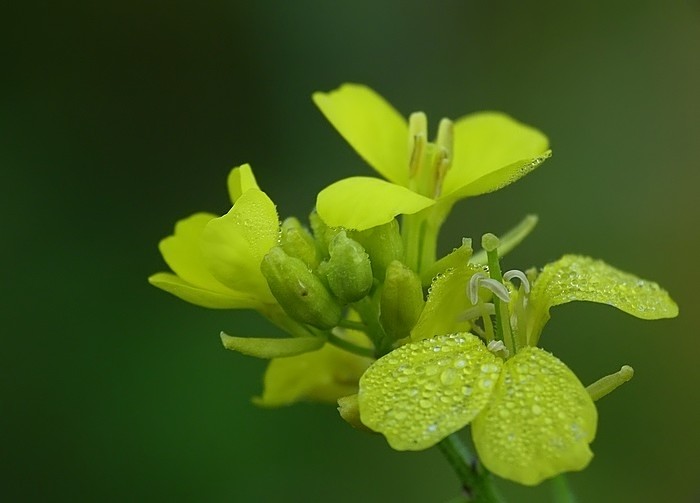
{"x": 119, "y": 117}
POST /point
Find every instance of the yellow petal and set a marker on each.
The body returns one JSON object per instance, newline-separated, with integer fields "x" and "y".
{"x": 224, "y": 299}
{"x": 574, "y": 277}
{"x": 182, "y": 253}
{"x": 492, "y": 150}
{"x": 371, "y": 126}
{"x": 422, "y": 392}
{"x": 539, "y": 421}
{"x": 319, "y": 376}
{"x": 240, "y": 179}
{"x": 447, "y": 301}
{"x": 235, "y": 244}
{"x": 361, "y": 202}
{"x": 261, "y": 347}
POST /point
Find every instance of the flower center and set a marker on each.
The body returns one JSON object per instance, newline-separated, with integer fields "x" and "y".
{"x": 429, "y": 162}
{"x": 500, "y": 322}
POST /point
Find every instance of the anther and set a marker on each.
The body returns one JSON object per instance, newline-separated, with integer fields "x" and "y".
{"x": 515, "y": 273}
{"x": 480, "y": 280}
{"x": 498, "y": 348}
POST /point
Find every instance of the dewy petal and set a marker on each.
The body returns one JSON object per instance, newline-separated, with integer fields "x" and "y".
{"x": 539, "y": 421}
{"x": 422, "y": 392}
{"x": 362, "y": 202}
{"x": 320, "y": 376}
{"x": 492, "y": 150}
{"x": 182, "y": 253}
{"x": 447, "y": 301}
{"x": 261, "y": 347}
{"x": 235, "y": 244}
{"x": 371, "y": 126}
{"x": 240, "y": 179}
{"x": 226, "y": 299}
{"x": 575, "y": 277}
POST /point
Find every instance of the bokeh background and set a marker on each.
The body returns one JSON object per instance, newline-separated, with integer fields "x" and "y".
{"x": 119, "y": 117}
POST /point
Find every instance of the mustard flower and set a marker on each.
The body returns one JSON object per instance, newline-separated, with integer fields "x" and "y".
{"x": 216, "y": 261}
{"x": 531, "y": 417}
{"x": 476, "y": 154}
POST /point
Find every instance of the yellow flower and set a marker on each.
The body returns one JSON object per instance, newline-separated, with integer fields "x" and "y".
{"x": 531, "y": 417}
{"x": 216, "y": 261}
{"x": 479, "y": 153}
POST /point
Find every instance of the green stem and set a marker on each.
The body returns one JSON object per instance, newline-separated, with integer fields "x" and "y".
{"x": 349, "y": 346}
{"x": 561, "y": 492}
{"x": 477, "y": 483}
{"x": 353, "y": 325}
{"x": 503, "y": 330}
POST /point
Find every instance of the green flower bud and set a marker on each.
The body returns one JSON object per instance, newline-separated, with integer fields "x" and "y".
{"x": 401, "y": 302}
{"x": 348, "y": 271}
{"x": 323, "y": 234}
{"x": 298, "y": 242}
{"x": 299, "y": 292}
{"x": 383, "y": 245}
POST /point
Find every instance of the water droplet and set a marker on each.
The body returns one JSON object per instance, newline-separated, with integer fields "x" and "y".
{"x": 431, "y": 370}
{"x": 448, "y": 377}
{"x": 486, "y": 383}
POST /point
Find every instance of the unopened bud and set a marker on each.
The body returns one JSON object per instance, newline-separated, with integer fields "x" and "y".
{"x": 383, "y": 244}
{"x": 401, "y": 301}
{"x": 322, "y": 233}
{"x": 298, "y": 242}
{"x": 348, "y": 271}
{"x": 299, "y": 292}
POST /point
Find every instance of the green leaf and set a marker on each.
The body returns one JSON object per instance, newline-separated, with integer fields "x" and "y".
{"x": 371, "y": 126}
{"x": 539, "y": 421}
{"x": 271, "y": 348}
{"x": 422, "y": 392}
{"x": 575, "y": 277}
{"x": 363, "y": 202}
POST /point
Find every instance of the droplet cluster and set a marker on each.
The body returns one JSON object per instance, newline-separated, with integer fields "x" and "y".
{"x": 539, "y": 421}
{"x": 420, "y": 393}
{"x": 575, "y": 277}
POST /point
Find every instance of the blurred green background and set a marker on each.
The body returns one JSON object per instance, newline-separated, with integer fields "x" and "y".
{"x": 118, "y": 117}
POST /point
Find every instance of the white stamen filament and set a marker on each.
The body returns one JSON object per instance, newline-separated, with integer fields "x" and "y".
{"x": 515, "y": 273}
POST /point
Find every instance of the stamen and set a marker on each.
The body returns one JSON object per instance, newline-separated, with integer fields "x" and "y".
{"x": 441, "y": 166}
{"x": 498, "y": 348}
{"x": 477, "y": 311}
{"x": 473, "y": 287}
{"x": 417, "y": 140}
{"x": 498, "y": 288}
{"x": 515, "y": 273}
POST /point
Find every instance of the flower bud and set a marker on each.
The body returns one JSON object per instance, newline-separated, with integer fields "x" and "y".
{"x": 348, "y": 271}
{"x": 401, "y": 302}
{"x": 383, "y": 244}
{"x": 323, "y": 234}
{"x": 299, "y": 292}
{"x": 298, "y": 242}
